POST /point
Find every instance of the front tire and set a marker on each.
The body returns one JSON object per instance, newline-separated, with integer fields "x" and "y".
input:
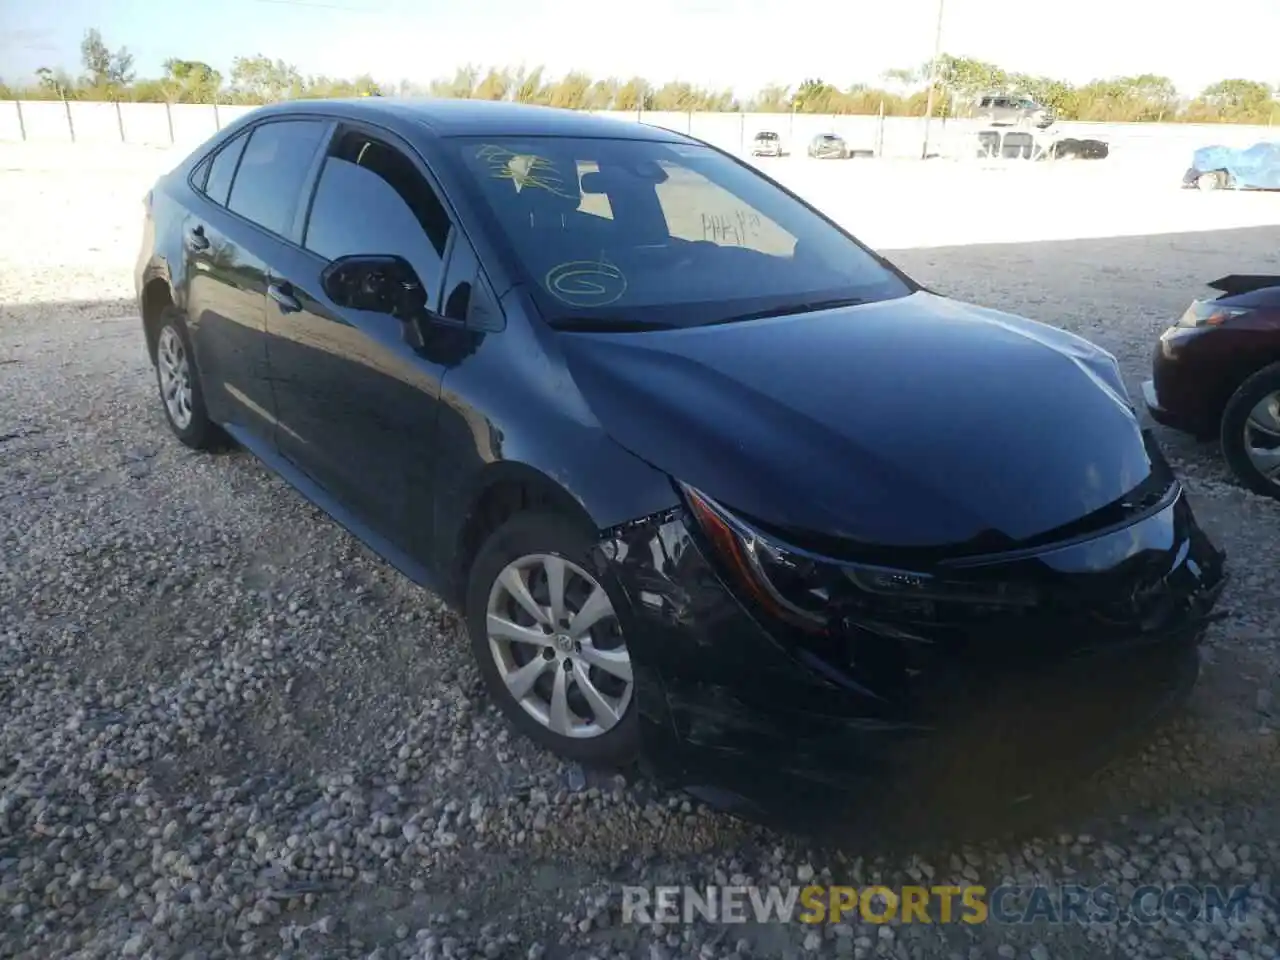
{"x": 1250, "y": 433}
{"x": 548, "y": 642}
{"x": 178, "y": 380}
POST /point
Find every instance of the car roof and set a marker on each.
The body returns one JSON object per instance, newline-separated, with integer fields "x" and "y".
{"x": 463, "y": 118}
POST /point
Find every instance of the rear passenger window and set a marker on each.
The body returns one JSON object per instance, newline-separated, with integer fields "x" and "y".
{"x": 223, "y": 169}
{"x": 271, "y": 172}
{"x": 371, "y": 199}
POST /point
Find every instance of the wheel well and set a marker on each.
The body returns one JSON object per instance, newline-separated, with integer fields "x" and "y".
{"x": 1241, "y": 374}
{"x": 155, "y": 297}
{"x": 499, "y": 503}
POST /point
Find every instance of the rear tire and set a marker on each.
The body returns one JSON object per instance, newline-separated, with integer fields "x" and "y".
{"x": 568, "y": 688}
{"x": 1256, "y": 404}
{"x": 1214, "y": 180}
{"x": 178, "y": 380}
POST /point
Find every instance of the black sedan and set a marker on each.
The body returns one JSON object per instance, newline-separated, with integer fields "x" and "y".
{"x": 712, "y": 484}
{"x": 1216, "y": 374}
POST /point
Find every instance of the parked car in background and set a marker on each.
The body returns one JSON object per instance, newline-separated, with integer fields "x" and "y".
{"x": 582, "y": 432}
{"x": 1226, "y": 168}
{"x": 1216, "y": 373}
{"x": 766, "y": 144}
{"x": 1004, "y": 110}
{"x": 1008, "y": 145}
{"x": 828, "y": 146}
{"x": 1071, "y": 148}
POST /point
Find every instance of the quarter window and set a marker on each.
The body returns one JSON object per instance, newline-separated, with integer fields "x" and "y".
{"x": 271, "y": 173}
{"x": 371, "y": 199}
{"x": 223, "y": 169}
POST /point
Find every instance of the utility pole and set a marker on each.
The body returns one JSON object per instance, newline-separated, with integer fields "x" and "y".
{"x": 933, "y": 80}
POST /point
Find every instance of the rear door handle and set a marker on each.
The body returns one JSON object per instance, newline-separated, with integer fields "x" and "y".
{"x": 198, "y": 240}
{"x": 282, "y": 293}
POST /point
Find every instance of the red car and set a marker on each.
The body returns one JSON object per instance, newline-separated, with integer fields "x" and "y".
{"x": 1216, "y": 373}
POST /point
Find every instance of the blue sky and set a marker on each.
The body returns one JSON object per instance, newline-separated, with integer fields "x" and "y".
{"x": 742, "y": 44}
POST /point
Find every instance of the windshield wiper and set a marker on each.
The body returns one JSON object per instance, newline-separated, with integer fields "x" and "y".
{"x": 602, "y": 325}
{"x": 811, "y": 306}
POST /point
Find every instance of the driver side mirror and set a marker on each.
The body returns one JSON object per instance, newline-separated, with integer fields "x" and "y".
{"x": 379, "y": 284}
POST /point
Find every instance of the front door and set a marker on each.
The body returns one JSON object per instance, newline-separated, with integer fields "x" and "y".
{"x": 356, "y": 391}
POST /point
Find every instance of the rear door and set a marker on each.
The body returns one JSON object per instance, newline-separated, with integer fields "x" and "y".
{"x": 250, "y": 197}
{"x": 358, "y": 391}
{"x": 224, "y": 302}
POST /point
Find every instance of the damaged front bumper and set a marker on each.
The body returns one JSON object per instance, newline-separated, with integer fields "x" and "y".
{"x": 746, "y": 714}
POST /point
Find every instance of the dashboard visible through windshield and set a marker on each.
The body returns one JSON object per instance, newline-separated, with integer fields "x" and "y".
{"x": 644, "y": 233}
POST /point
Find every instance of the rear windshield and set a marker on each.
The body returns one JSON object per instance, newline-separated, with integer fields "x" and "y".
{"x": 667, "y": 234}
{"x": 766, "y": 136}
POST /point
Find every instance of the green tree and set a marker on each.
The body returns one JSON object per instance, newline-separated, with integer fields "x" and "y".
{"x": 95, "y": 58}
{"x": 774, "y": 98}
{"x": 635, "y": 94}
{"x": 1239, "y": 101}
{"x": 260, "y": 79}
{"x": 902, "y": 92}
{"x": 965, "y": 77}
{"x": 815, "y": 96}
{"x": 602, "y": 94}
{"x": 190, "y": 81}
{"x": 1045, "y": 91}
{"x": 106, "y": 74}
{"x": 462, "y": 86}
{"x": 1142, "y": 98}
{"x": 529, "y": 86}
{"x": 54, "y": 84}
{"x": 903, "y": 78}
{"x": 495, "y": 85}
{"x": 571, "y": 92}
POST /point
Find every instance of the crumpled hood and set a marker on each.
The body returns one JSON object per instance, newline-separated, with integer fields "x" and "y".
{"x": 915, "y": 422}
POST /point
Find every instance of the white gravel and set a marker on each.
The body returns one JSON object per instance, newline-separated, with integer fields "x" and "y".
{"x": 227, "y": 730}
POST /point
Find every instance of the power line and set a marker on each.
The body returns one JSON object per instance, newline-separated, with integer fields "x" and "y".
{"x": 319, "y": 6}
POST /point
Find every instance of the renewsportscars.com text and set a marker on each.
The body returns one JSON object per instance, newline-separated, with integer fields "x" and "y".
{"x": 1063, "y": 903}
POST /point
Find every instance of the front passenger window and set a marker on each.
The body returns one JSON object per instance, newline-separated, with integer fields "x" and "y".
{"x": 371, "y": 199}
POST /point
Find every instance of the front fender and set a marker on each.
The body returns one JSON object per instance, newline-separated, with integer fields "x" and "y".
{"x": 511, "y": 416}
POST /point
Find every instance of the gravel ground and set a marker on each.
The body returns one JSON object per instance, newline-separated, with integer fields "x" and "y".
{"x": 228, "y": 730}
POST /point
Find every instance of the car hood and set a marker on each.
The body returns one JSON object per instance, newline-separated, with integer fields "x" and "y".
{"x": 914, "y": 422}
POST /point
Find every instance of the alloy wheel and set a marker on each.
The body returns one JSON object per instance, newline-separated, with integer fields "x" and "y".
{"x": 1262, "y": 437}
{"x": 175, "y": 377}
{"x": 558, "y": 646}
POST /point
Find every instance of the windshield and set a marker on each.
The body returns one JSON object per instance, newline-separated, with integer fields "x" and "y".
{"x": 766, "y": 136}
{"x": 632, "y": 232}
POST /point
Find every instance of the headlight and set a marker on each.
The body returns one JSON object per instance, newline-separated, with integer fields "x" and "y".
{"x": 810, "y": 592}
{"x": 1209, "y": 313}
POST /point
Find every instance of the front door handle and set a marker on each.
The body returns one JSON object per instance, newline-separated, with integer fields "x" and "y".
{"x": 282, "y": 293}
{"x": 198, "y": 240}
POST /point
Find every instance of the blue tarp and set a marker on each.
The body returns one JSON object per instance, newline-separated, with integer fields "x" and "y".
{"x": 1257, "y": 168}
